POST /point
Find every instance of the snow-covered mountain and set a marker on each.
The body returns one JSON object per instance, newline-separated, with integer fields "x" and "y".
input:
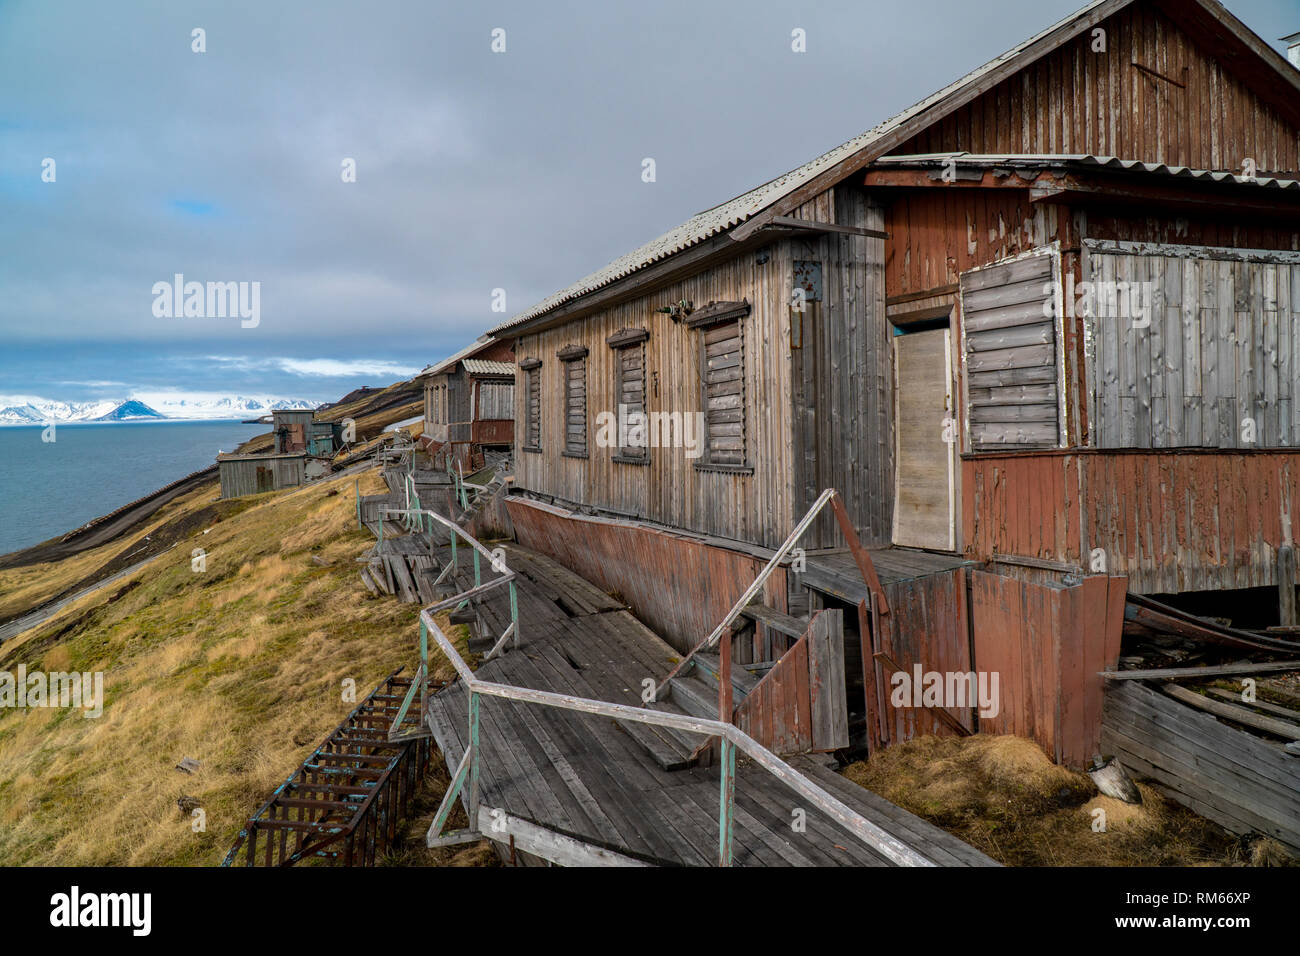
{"x": 145, "y": 407}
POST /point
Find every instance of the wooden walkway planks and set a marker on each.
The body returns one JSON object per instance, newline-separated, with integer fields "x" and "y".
{"x": 588, "y": 778}
{"x": 836, "y": 573}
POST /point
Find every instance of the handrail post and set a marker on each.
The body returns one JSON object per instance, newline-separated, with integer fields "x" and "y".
{"x": 727, "y": 802}
{"x": 514, "y": 613}
{"x": 724, "y": 678}
{"x": 472, "y": 798}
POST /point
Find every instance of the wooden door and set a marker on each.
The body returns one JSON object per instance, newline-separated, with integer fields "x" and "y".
{"x": 924, "y": 441}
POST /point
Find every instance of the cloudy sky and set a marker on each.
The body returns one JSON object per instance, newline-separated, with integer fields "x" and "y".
{"x": 475, "y": 170}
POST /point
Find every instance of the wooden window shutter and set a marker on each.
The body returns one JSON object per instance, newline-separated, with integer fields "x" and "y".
{"x": 722, "y": 383}
{"x": 629, "y": 394}
{"x": 575, "y": 401}
{"x": 1011, "y": 345}
{"x": 532, "y": 404}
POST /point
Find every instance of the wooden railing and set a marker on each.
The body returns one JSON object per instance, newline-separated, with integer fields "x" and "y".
{"x": 424, "y": 517}
{"x": 879, "y": 605}
{"x": 467, "y": 773}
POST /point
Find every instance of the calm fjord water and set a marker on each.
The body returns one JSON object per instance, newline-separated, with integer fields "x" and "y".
{"x": 47, "y": 489}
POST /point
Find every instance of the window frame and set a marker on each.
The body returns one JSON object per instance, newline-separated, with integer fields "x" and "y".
{"x": 532, "y": 370}
{"x": 569, "y": 356}
{"x": 703, "y": 320}
{"x": 620, "y": 342}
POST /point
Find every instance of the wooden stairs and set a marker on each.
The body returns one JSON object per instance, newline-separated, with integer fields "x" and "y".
{"x": 695, "y": 691}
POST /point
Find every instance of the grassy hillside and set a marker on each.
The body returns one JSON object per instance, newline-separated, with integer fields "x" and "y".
{"x": 239, "y": 666}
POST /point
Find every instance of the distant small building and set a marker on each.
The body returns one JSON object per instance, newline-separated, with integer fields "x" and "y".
{"x": 469, "y": 401}
{"x": 257, "y": 473}
{"x": 292, "y": 428}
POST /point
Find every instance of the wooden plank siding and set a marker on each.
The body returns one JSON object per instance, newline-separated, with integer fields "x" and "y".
{"x": 679, "y": 585}
{"x": 1243, "y": 783}
{"x": 813, "y": 417}
{"x": 842, "y": 392}
{"x": 929, "y": 625}
{"x": 1047, "y": 644}
{"x": 1171, "y": 521}
{"x": 1076, "y": 101}
{"x": 1218, "y": 351}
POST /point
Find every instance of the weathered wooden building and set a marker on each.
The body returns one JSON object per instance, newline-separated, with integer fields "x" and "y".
{"x": 292, "y": 428}
{"x": 254, "y": 474}
{"x": 469, "y": 401}
{"x": 1043, "y": 322}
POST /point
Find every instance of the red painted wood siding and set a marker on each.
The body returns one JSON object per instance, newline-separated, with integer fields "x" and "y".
{"x": 927, "y": 625}
{"x": 679, "y": 586}
{"x": 1076, "y": 101}
{"x": 1174, "y": 521}
{"x": 1047, "y": 643}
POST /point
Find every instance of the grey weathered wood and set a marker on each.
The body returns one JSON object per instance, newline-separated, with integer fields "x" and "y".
{"x": 826, "y": 681}
{"x": 1241, "y": 715}
{"x": 1192, "y": 673}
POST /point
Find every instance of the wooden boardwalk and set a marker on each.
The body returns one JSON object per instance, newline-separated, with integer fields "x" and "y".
{"x": 587, "y": 777}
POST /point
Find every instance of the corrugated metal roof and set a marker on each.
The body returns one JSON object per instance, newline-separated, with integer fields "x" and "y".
{"x": 729, "y": 214}
{"x": 1108, "y": 163}
{"x": 482, "y": 342}
{"x": 488, "y": 367}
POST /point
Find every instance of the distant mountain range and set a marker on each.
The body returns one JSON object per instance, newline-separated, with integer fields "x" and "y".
{"x": 41, "y": 412}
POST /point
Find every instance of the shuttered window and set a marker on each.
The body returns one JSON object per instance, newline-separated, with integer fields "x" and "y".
{"x": 629, "y": 395}
{"x": 1012, "y": 354}
{"x": 575, "y": 401}
{"x": 496, "y": 400}
{"x": 722, "y": 387}
{"x": 1192, "y": 346}
{"x": 532, "y": 432}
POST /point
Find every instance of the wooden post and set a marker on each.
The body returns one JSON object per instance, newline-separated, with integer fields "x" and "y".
{"x": 1286, "y": 586}
{"x": 879, "y": 606}
{"x": 726, "y": 803}
{"x": 724, "y": 679}
{"x": 472, "y": 799}
{"x": 357, "y": 492}
{"x": 514, "y": 613}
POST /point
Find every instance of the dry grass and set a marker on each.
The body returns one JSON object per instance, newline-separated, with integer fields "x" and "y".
{"x": 239, "y": 667}
{"x": 1004, "y": 796}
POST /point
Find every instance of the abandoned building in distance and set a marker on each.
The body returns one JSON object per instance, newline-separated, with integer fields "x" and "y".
{"x": 1040, "y": 333}
{"x": 469, "y": 404}
{"x": 299, "y": 443}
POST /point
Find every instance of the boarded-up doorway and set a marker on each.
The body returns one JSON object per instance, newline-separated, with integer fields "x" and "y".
{"x": 924, "y": 436}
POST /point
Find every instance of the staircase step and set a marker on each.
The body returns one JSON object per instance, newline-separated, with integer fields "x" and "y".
{"x": 709, "y": 665}
{"x": 776, "y": 620}
{"x": 695, "y": 696}
{"x": 665, "y": 747}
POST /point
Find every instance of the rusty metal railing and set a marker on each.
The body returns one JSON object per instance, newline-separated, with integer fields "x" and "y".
{"x": 344, "y": 803}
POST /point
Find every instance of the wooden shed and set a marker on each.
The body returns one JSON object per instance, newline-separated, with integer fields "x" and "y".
{"x": 469, "y": 401}
{"x": 292, "y": 428}
{"x": 1044, "y": 322}
{"x": 253, "y": 474}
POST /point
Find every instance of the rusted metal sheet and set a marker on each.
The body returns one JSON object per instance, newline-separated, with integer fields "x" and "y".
{"x": 1171, "y": 521}
{"x": 678, "y": 585}
{"x": 1047, "y": 643}
{"x": 493, "y": 432}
